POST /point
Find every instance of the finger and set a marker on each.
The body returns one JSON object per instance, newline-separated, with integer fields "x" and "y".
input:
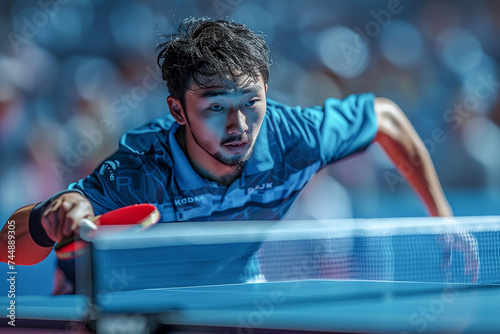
{"x": 476, "y": 272}
{"x": 468, "y": 268}
{"x": 48, "y": 223}
{"x": 473, "y": 273}
{"x": 471, "y": 257}
{"x": 447, "y": 257}
{"x": 445, "y": 267}
{"x": 68, "y": 226}
{"x": 62, "y": 213}
{"x": 53, "y": 206}
{"x": 51, "y": 220}
{"x": 474, "y": 268}
{"x": 446, "y": 261}
{"x": 47, "y": 220}
{"x": 71, "y": 221}
{"x": 473, "y": 279}
{"x": 78, "y": 212}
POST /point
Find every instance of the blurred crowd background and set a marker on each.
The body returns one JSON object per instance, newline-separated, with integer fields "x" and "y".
{"x": 76, "y": 74}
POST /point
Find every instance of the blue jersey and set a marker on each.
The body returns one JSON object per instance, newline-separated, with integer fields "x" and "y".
{"x": 294, "y": 143}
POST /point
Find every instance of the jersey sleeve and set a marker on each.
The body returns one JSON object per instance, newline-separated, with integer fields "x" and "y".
{"x": 346, "y": 126}
{"x": 326, "y": 133}
{"x": 129, "y": 176}
{"x": 114, "y": 183}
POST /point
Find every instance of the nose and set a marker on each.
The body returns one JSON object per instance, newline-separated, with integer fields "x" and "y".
{"x": 237, "y": 122}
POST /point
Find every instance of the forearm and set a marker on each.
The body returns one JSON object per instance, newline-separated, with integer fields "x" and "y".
{"x": 415, "y": 165}
{"x": 27, "y": 251}
{"x": 38, "y": 227}
{"x": 408, "y": 153}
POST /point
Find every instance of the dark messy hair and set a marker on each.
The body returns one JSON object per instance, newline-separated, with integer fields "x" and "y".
{"x": 204, "y": 47}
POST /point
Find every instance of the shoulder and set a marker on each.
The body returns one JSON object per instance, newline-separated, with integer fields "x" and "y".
{"x": 282, "y": 117}
{"x": 351, "y": 105}
{"x": 279, "y": 110}
{"x": 143, "y": 138}
{"x": 391, "y": 120}
{"x": 145, "y": 148}
{"x": 352, "y": 110}
{"x": 335, "y": 129}
{"x": 354, "y": 103}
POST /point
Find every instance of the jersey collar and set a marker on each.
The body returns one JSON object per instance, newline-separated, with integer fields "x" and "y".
{"x": 261, "y": 159}
{"x": 187, "y": 178}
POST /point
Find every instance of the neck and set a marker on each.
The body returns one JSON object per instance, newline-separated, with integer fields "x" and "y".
{"x": 206, "y": 166}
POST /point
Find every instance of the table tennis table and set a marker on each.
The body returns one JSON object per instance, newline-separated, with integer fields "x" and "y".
{"x": 343, "y": 306}
{"x": 161, "y": 296}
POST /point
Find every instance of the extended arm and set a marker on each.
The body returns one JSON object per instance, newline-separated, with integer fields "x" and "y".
{"x": 399, "y": 140}
{"x": 404, "y": 147}
{"x": 58, "y": 219}
{"x": 26, "y": 250}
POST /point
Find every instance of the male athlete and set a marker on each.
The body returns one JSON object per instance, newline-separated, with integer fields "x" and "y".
{"x": 231, "y": 153}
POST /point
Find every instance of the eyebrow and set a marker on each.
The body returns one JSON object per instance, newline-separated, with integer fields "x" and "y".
{"x": 220, "y": 91}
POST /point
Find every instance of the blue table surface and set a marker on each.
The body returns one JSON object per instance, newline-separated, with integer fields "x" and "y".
{"x": 316, "y": 305}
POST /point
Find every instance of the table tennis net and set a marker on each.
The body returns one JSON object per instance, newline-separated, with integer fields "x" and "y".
{"x": 194, "y": 254}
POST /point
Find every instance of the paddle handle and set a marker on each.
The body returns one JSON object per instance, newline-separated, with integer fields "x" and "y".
{"x": 86, "y": 228}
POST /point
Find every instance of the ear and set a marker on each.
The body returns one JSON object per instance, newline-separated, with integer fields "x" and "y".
{"x": 176, "y": 110}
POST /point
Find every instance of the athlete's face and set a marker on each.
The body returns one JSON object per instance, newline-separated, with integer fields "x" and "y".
{"x": 222, "y": 122}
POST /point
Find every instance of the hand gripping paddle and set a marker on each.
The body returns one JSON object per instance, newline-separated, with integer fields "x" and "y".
{"x": 141, "y": 216}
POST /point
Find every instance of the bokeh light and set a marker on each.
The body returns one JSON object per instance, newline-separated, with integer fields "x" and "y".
{"x": 338, "y": 50}
{"x": 460, "y": 51}
{"x": 401, "y": 43}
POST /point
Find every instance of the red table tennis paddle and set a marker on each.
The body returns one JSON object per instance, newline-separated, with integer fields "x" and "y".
{"x": 141, "y": 216}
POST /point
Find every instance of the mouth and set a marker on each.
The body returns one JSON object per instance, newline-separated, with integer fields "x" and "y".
{"x": 236, "y": 146}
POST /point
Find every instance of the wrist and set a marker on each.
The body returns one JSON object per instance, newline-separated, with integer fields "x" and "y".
{"x": 36, "y": 230}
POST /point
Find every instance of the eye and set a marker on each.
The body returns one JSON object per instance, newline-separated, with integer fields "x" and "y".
{"x": 216, "y": 108}
{"x": 251, "y": 102}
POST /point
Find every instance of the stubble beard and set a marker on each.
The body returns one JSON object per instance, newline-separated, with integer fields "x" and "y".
{"x": 236, "y": 162}
{"x": 231, "y": 162}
